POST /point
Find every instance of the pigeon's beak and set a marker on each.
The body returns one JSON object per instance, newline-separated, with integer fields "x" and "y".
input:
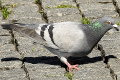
{"x": 116, "y": 27}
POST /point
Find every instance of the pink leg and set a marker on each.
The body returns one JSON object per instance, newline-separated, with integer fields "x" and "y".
{"x": 70, "y": 67}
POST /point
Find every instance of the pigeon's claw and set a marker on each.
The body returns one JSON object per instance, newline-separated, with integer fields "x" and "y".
{"x": 71, "y": 67}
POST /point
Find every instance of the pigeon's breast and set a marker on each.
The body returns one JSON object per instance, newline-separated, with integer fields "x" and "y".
{"x": 69, "y": 38}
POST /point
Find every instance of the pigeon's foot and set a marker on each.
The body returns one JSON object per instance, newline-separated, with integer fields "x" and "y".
{"x": 71, "y": 67}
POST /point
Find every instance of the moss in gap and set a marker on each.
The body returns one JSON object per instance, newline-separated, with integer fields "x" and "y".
{"x": 62, "y": 6}
{"x": 118, "y": 23}
{"x": 69, "y": 75}
{"x": 85, "y": 21}
{"x": 5, "y": 12}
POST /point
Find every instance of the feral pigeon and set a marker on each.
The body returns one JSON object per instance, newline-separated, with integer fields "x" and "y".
{"x": 67, "y": 39}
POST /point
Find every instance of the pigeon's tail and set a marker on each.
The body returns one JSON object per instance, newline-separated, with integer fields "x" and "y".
{"x": 23, "y": 30}
{"x": 6, "y": 26}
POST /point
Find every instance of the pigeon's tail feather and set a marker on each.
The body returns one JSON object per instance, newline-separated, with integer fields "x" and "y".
{"x": 6, "y": 26}
{"x": 23, "y": 30}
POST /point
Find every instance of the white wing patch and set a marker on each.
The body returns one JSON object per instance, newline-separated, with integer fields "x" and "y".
{"x": 48, "y": 39}
{"x": 46, "y": 36}
{"x": 38, "y": 29}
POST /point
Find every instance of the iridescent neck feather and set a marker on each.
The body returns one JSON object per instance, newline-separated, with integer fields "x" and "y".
{"x": 96, "y": 25}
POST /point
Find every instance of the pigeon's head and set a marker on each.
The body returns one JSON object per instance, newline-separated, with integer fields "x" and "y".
{"x": 109, "y": 22}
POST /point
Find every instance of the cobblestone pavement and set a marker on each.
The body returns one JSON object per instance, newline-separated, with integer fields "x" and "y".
{"x": 23, "y": 58}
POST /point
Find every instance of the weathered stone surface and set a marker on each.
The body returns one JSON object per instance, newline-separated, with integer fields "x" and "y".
{"x": 94, "y": 1}
{"x": 60, "y": 14}
{"x": 111, "y": 44}
{"x": 26, "y": 13}
{"x": 39, "y": 63}
{"x": 97, "y": 9}
{"x": 13, "y": 74}
{"x": 116, "y": 69}
{"x": 0, "y": 17}
{"x": 45, "y": 72}
{"x": 90, "y": 73}
{"x": 63, "y": 14}
{"x": 55, "y": 3}
{"x": 118, "y": 2}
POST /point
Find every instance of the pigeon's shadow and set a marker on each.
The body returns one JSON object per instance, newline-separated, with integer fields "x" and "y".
{"x": 55, "y": 61}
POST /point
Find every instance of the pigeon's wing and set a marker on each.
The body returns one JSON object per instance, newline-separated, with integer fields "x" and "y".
{"x": 40, "y": 32}
{"x": 58, "y": 52}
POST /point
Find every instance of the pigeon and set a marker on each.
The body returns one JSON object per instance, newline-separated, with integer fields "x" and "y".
{"x": 67, "y": 39}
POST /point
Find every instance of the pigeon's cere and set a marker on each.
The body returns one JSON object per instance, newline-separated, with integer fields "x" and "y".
{"x": 67, "y": 39}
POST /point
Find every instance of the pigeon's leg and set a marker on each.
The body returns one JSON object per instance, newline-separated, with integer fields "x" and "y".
{"x": 70, "y": 67}
{"x": 100, "y": 48}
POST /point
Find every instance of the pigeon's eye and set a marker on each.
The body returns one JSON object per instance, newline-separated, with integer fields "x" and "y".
{"x": 108, "y": 22}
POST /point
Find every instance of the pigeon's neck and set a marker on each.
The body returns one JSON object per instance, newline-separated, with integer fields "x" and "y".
{"x": 96, "y": 25}
{"x": 98, "y": 28}
{"x": 95, "y": 33}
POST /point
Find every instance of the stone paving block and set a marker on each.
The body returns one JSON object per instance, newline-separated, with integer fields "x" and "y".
{"x": 115, "y": 65}
{"x": 54, "y": 3}
{"x": 5, "y": 37}
{"x": 114, "y": 48}
{"x": 92, "y": 73}
{"x": 26, "y": 14}
{"x": 24, "y": 11}
{"x": 94, "y": 9}
{"x": 0, "y": 17}
{"x": 17, "y": 2}
{"x": 4, "y": 40}
{"x": 39, "y": 72}
{"x": 13, "y": 74}
{"x": 9, "y": 65}
{"x": 63, "y": 11}
{"x": 63, "y": 14}
{"x": 6, "y": 47}
{"x": 58, "y": 14}
{"x": 10, "y": 59}
{"x": 76, "y": 18}
{"x": 94, "y": 1}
